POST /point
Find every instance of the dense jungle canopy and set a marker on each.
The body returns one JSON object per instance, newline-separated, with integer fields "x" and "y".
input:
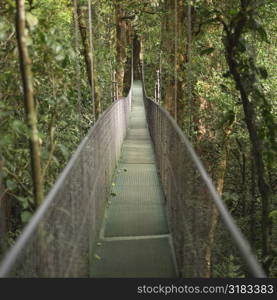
{"x": 210, "y": 63}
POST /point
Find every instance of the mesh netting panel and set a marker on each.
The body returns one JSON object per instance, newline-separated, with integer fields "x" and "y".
{"x": 60, "y": 242}
{"x": 201, "y": 250}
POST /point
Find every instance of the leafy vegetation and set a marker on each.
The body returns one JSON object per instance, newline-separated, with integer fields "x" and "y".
{"x": 216, "y": 61}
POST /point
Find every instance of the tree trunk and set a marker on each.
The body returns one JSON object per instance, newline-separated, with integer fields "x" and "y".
{"x": 133, "y": 55}
{"x": 255, "y": 141}
{"x": 174, "y": 38}
{"x": 88, "y": 57}
{"x": 76, "y": 46}
{"x": 121, "y": 46}
{"x": 30, "y": 110}
{"x": 136, "y": 58}
{"x": 168, "y": 49}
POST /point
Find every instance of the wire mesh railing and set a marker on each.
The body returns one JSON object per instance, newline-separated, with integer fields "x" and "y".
{"x": 60, "y": 237}
{"x": 206, "y": 240}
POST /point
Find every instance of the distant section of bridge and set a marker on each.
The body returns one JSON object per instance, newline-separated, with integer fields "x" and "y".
{"x": 133, "y": 201}
{"x": 135, "y": 239}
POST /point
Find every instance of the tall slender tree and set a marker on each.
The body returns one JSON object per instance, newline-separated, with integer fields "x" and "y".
{"x": 122, "y": 45}
{"x": 243, "y": 72}
{"x": 85, "y": 26}
{"x": 29, "y": 103}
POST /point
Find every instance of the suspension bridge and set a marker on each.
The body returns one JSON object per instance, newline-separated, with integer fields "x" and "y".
{"x": 133, "y": 201}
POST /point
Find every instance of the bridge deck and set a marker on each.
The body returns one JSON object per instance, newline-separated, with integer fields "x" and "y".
{"x": 134, "y": 241}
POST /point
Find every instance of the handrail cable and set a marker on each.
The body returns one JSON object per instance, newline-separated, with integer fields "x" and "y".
{"x": 29, "y": 230}
{"x": 238, "y": 238}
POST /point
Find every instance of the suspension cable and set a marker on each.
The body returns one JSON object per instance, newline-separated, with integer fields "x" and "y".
{"x": 175, "y": 60}
{"x": 158, "y": 86}
{"x": 189, "y": 91}
{"x": 78, "y": 67}
{"x": 91, "y": 58}
{"x": 160, "y": 78}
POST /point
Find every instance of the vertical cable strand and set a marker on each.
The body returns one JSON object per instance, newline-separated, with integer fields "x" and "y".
{"x": 91, "y": 58}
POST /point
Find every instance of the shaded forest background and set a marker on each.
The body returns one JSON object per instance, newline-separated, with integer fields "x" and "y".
{"x": 215, "y": 63}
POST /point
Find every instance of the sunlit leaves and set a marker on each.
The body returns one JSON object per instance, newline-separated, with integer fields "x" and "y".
{"x": 257, "y": 27}
{"x": 32, "y": 21}
{"x": 19, "y": 127}
{"x": 25, "y": 216}
{"x": 64, "y": 150}
{"x": 273, "y": 216}
{"x": 11, "y": 185}
{"x": 4, "y": 29}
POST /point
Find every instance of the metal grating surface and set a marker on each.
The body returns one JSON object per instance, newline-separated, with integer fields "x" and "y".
{"x": 135, "y": 219}
{"x": 143, "y": 194}
{"x": 137, "y": 123}
{"x": 142, "y": 155}
{"x": 137, "y": 174}
{"x": 140, "y": 134}
{"x": 136, "y": 143}
{"x": 134, "y": 258}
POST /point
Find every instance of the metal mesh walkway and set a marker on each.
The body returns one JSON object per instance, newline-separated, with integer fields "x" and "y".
{"x": 76, "y": 232}
{"x": 134, "y": 241}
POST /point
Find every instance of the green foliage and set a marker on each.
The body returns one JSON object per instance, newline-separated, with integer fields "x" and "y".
{"x": 32, "y": 21}
{"x": 217, "y": 95}
{"x": 273, "y": 216}
{"x": 229, "y": 268}
{"x": 214, "y": 107}
{"x": 25, "y": 216}
{"x": 51, "y": 47}
{"x": 207, "y": 51}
